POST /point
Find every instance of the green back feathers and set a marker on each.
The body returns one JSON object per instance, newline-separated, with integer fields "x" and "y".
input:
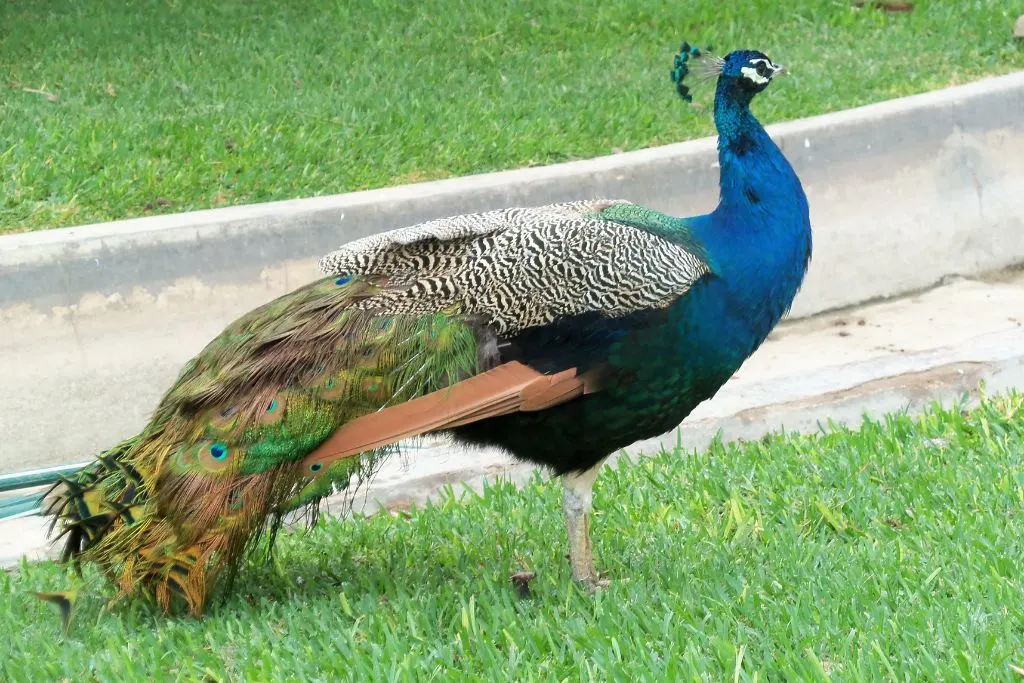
{"x": 167, "y": 510}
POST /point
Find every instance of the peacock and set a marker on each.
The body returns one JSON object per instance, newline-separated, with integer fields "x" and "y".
{"x": 559, "y": 333}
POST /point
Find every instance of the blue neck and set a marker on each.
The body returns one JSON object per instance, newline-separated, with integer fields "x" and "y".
{"x": 753, "y": 170}
{"x": 758, "y": 238}
{"x": 732, "y": 110}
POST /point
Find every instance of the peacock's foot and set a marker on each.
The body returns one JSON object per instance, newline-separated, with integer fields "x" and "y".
{"x": 593, "y": 584}
{"x": 583, "y": 572}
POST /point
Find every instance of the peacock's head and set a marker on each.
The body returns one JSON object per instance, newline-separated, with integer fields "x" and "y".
{"x": 749, "y": 70}
{"x": 752, "y": 70}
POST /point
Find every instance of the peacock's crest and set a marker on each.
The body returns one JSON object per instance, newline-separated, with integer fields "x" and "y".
{"x": 696, "y": 64}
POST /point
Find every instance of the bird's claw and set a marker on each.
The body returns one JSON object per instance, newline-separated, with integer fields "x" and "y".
{"x": 593, "y": 582}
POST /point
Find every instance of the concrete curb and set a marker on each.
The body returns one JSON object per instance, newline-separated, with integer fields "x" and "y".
{"x": 932, "y": 175}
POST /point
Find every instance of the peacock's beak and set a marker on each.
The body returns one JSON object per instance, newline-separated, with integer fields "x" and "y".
{"x": 780, "y": 70}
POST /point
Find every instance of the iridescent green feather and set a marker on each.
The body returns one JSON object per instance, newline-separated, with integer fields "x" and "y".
{"x": 656, "y": 223}
{"x": 170, "y": 509}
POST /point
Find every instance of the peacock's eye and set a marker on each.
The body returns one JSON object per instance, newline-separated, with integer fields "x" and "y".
{"x": 762, "y": 69}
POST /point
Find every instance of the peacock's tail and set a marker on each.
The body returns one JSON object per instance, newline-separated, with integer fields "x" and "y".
{"x": 152, "y": 527}
{"x": 169, "y": 511}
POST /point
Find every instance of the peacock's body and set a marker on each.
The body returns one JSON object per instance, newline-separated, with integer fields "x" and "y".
{"x": 559, "y": 333}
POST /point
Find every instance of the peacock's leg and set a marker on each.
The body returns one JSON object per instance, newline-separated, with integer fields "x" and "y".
{"x": 579, "y": 487}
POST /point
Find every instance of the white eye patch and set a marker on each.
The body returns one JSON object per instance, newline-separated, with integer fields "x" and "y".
{"x": 751, "y": 74}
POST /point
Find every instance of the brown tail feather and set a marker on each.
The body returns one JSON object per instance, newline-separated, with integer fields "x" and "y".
{"x": 508, "y": 388}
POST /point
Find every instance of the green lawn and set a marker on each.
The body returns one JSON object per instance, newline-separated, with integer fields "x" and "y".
{"x": 893, "y": 552}
{"x": 112, "y": 109}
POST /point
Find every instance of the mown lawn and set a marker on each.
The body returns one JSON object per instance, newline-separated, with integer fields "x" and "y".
{"x": 112, "y": 109}
{"x": 888, "y": 553}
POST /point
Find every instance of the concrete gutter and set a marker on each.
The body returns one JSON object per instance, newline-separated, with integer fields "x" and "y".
{"x": 97, "y": 320}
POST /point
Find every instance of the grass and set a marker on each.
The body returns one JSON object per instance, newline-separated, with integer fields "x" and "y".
{"x": 111, "y": 109}
{"x": 888, "y": 553}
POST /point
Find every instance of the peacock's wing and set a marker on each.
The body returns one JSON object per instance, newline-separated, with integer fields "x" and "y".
{"x": 528, "y": 267}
